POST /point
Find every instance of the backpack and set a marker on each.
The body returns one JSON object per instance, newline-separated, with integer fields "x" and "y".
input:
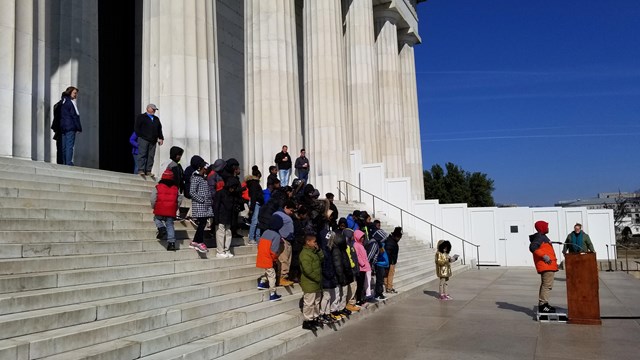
{"x": 188, "y": 172}
{"x": 55, "y": 123}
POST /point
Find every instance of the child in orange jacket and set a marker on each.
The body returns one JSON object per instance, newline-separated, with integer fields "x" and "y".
{"x": 269, "y": 249}
{"x": 544, "y": 257}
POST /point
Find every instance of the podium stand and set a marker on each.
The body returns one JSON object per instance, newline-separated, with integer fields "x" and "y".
{"x": 582, "y": 289}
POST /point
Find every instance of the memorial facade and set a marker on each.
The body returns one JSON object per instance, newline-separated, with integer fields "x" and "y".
{"x": 231, "y": 78}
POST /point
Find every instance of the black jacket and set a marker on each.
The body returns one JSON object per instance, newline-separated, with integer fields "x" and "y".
{"x": 283, "y": 165}
{"x": 391, "y": 247}
{"x": 341, "y": 263}
{"x": 147, "y": 129}
{"x": 329, "y": 280}
{"x": 223, "y": 207}
{"x": 255, "y": 194}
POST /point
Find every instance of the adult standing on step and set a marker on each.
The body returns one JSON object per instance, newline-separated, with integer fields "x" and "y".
{"x": 69, "y": 123}
{"x": 283, "y": 162}
{"x": 149, "y": 130}
{"x": 302, "y": 166}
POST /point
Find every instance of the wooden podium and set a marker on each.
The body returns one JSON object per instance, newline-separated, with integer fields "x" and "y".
{"x": 582, "y": 289}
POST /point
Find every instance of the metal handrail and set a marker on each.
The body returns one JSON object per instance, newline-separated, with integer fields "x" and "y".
{"x": 626, "y": 255}
{"x": 402, "y": 211}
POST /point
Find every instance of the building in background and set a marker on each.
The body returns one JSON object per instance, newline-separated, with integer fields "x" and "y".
{"x": 625, "y": 206}
{"x": 231, "y": 78}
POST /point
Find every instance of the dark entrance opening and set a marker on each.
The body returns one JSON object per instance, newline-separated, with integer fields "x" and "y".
{"x": 119, "y": 32}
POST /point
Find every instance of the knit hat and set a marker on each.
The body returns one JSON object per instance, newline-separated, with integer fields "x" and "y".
{"x": 219, "y": 165}
{"x": 167, "y": 175}
{"x": 342, "y": 221}
{"x": 275, "y": 223}
{"x": 542, "y": 227}
{"x": 397, "y": 232}
{"x": 197, "y": 162}
{"x": 174, "y": 152}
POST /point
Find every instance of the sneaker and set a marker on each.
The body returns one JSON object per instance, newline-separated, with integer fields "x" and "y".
{"x": 193, "y": 245}
{"x": 352, "y": 308}
{"x": 371, "y": 299}
{"x": 171, "y": 246}
{"x": 263, "y": 284}
{"x": 328, "y": 319}
{"x": 392, "y": 291}
{"x": 381, "y": 297}
{"x": 201, "y": 248}
{"x": 337, "y": 316}
{"x": 228, "y": 254}
{"x": 448, "y": 297}
{"x": 285, "y": 282}
{"x": 308, "y": 325}
{"x": 253, "y": 242}
{"x": 345, "y": 312}
{"x": 275, "y": 297}
{"x": 221, "y": 256}
{"x": 546, "y": 308}
{"x": 162, "y": 233}
{"x": 322, "y": 320}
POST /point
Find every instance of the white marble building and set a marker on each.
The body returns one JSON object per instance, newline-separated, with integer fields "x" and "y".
{"x": 232, "y": 78}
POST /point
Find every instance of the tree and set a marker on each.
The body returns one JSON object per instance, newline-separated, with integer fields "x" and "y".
{"x": 458, "y": 186}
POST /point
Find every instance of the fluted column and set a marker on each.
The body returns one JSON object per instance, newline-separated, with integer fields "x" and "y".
{"x": 411, "y": 120}
{"x": 362, "y": 80}
{"x": 272, "y": 81}
{"x": 33, "y": 74}
{"x": 390, "y": 110}
{"x": 179, "y": 74}
{"x": 325, "y": 93}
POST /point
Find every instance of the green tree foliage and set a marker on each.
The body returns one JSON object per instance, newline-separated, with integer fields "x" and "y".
{"x": 458, "y": 186}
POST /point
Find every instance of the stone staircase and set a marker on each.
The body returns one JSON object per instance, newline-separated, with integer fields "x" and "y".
{"x": 83, "y": 277}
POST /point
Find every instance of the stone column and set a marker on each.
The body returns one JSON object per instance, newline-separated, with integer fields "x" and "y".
{"x": 325, "y": 93}
{"x": 362, "y": 80}
{"x": 392, "y": 138}
{"x": 179, "y": 74}
{"x": 46, "y": 47}
{"x": 272, "y": 82}
{"x": 411, "y": 120}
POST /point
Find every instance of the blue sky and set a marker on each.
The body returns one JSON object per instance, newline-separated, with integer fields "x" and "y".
{"x": 543, "y": 96}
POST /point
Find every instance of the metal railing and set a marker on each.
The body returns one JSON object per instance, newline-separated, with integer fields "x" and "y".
{"x": 615, "y": 256}
{"x": 405, "y": 213}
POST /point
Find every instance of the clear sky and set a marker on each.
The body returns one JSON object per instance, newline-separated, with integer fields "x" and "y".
{"x": 543, "y": 96}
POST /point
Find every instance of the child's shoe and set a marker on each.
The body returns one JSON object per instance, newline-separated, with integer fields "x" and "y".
{"x": 309, "y": 325}
{"x": 228, "y": 254}
{"x": 546, "y": 308}
{"x": 337, "y": 316}
{"x": 171, "y": 246}
{"x": 263, "y": 283}
{"x": 285, "y": 282}
{"x": 447, "y": 297}
{"x": 352, "y": 308}
{"x": 275, "y": 297}
{"x": 162, "y": 233}
{"x": 201, "y": 247}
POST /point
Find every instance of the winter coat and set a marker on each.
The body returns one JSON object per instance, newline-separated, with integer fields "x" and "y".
{"x": 274, "y": 204}
{"x": 351, "y": 223}
{"x": 578, "y": 243}
{"x": 361, "y": 253}
{"x": 286, "y": 232}
{"x": 391, "y": 248}
{"x": 255, "y": 193}
{"x": 201, "y": 202}
{"x": 311, "y": 269}
{"x": 271, "y": 179}
{"x": 283, "y": 164}
{"x": 150, "y": 130}
{"x": 269, "y": 248}
{"x": 443, "y": 265}
{"x": 341, "y": 261}
{"x": 353, "y": 257}
{"x": 540, "y": 245}
{"x": 223, "y": 207}
{"x": 165, "y": 200}
{"x": 372, "y": 248}
{"x": 328, "y": 271}
{"x": 178, "y": 175}
{"x": 69, "y": 118}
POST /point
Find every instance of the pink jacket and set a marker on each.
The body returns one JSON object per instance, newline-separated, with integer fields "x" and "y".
{"x": 363, "y": 261}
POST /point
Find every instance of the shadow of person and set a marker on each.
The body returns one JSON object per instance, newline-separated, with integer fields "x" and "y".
{"x": 431, "y": 293}
{"x": 518, "y": 308}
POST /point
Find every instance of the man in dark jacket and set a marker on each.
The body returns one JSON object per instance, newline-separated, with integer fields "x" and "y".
{"x": 302, "y": 166}
{"x": 283, "y": 162}
{"x": 149, "y": 130}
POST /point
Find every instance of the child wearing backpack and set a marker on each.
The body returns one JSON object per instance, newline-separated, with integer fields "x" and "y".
{"x": 269, "y": 249}
{"x": 443, "y": 267}
{"x": 311, "y": 258}
{"x": 164, "y": 200}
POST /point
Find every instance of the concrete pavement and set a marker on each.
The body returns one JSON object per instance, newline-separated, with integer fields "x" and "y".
{"x": 491, "y": 317}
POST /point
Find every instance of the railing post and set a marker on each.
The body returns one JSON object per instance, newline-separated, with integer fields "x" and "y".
{"x": 339, "y": 191}
{"x": 431, "y": 228}
{"x": 401, "y": 223}
{"x": 608, "y": 259}
{"x": 347, "y": 193}
{"x": 359, "y": 187}
{"x": 464, "y": 256}
{"x": 374, "y": 205}
{"x": 478, "y": 257}
{"x": 626, "y": 257}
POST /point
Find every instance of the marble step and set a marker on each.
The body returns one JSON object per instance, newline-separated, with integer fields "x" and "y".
{"x": 28, "y": 193}
{"x": 75, "y": 215}
{"x": 70, "y": 204}
{"x": 76, "y": 179}
{"x": 74, "y": 190}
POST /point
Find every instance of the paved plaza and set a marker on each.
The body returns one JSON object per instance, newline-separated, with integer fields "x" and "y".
{"x": 491, "y": 317}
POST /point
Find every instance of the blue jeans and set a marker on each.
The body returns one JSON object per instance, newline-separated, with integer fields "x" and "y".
{"x": 165, "y": 221}
{"x": 284, "y": 177}
{"x": 68, "y": 141}
{"x": 254, "y": 231}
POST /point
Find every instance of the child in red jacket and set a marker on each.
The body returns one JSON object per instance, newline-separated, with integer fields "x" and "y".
{"x": 269, "y": 249}
{"x": 544, "y": 258}
{"x": 164, "y": 200}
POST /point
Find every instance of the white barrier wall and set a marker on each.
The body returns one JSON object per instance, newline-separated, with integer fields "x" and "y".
{"x": 501, "y": 233}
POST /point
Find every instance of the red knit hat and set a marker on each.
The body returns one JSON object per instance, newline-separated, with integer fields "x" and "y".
{"x": 167, "y": 175}
{"x": 542, "y": 226}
